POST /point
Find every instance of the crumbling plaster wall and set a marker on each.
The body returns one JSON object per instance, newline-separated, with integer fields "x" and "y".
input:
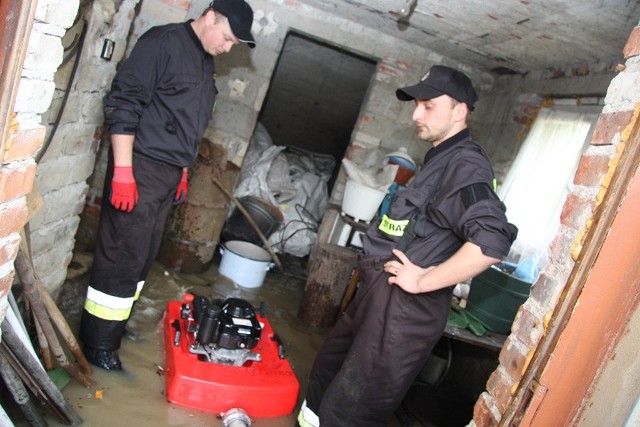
{"x": 68, "y": 160}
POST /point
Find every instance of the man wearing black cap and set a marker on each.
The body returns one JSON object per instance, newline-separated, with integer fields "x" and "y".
{"x": 159, "y": 106}
{"x": 447, "y": 226}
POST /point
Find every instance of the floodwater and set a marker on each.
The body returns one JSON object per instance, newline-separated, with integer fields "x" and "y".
{"x": 137, "y": 395}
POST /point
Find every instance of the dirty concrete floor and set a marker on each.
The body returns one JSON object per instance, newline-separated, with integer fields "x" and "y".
{"x": 137, "y": 395}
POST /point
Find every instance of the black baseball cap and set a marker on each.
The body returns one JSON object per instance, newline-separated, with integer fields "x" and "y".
{"x": 441, "y": 80}
{"x": 240, "y": 16}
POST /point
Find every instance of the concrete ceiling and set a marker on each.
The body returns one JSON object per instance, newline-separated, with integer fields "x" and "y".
{"x": 502, "y": 36}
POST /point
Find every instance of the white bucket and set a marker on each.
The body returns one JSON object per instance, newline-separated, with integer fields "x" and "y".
{"x": 244, "y": 263}
{"x": 361, "y": 202}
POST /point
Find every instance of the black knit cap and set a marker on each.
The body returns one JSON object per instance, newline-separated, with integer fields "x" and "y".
{"x": 240, "y": 16}
{"x": 441, "y": 80}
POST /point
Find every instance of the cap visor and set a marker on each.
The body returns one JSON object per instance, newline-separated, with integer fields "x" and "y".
{"x": 243, "y": 35}
{"x": 251, "y": 43}
{"x": 418, "y": 91}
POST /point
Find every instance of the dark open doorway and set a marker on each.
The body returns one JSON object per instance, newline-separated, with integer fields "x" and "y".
{"x": 315, "y": 96}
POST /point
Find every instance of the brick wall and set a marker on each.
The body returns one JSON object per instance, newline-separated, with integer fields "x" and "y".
{"x": 26, "y": 134}
{"x": 590, "y": 181}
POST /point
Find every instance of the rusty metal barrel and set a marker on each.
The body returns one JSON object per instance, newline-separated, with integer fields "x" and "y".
{"x": 192, "y": 231}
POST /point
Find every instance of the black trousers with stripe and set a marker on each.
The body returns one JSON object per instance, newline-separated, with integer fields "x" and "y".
{"x": 375, "y": 351}
{"x": 127, "y": 244}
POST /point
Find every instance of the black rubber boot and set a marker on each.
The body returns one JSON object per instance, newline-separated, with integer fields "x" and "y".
{"x": 105, "y": 359}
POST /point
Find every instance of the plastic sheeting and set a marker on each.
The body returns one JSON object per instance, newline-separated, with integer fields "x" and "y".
{"x": 378, "y": 178}
{"x": 293, "y": 180}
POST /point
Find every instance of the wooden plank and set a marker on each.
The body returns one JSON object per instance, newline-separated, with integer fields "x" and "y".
{"x": 329, "y": 273}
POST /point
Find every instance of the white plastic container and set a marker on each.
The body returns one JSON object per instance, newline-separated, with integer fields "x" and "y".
{"x": 361, "y": 202}
{"x": 244, "y": 263}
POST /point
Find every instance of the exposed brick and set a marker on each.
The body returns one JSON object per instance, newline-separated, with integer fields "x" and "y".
{"x": 576, "y": 211}
{"x": 609, "y": 125}
{"x": 560, "y": 246}
{"x": 24, "y": 144}
{"x": 9, "y": 249}
{"x": 527, "y": 327}
{"x": 499, "y": 386}
{"x": 180, "y": 4}
{"x": 546, "y": 292}
{"x": 591, "y": 169}
{"x": 13, "y": 216}
{"x": 5, "y": 283}
{"x": 582, "y": 70}
{"x": 482, "y": 415}
{"x": 16, "y": 182}
{"x": 403, "y": 65}
{"x": 512, "y": 358}
{"x": 632, "y": 48}
{"x": 391, "y": 71}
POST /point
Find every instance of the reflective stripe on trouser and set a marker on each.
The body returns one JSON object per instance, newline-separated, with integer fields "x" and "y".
{"x": 307, "y": 418}
{"x": 375, "y": 351}
{"x": 108, "y": 307}
{"x": 126, "y": 246}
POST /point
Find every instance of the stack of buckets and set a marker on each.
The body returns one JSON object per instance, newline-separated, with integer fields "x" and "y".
{"x": 406, "y": 165}
{"x": 361, "y": 202}
{"x": 244, "y": 260}
{"x": 406, "y": 169}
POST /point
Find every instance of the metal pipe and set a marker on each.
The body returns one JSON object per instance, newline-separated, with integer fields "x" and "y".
{"x": 236, "y": 417}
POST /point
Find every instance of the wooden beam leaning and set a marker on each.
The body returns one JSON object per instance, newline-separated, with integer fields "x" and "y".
{"x": 30, "y": 281}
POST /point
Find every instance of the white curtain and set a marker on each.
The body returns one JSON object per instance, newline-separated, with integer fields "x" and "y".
{"x": 537, "y": 183}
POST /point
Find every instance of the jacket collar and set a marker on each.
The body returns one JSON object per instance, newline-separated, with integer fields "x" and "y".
{"x": 446, "y": 144}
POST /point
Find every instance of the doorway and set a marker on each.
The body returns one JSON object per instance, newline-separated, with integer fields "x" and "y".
{"x": 315, "y": 96}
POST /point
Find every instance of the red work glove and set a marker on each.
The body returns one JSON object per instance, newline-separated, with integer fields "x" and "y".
{"x": 124, "y": 191}
{"x": 181, "y": 192}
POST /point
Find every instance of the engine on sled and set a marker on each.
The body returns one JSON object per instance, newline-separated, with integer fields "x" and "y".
{"x": 222, "y": 331}
{"x": 222, "y": 354}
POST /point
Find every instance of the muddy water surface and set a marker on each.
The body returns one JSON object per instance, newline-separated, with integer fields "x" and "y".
{"x": 137, "y": 395}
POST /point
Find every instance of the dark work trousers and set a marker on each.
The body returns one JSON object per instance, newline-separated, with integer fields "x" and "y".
{"x": 375, "y": 351}
{"x": 127, "y": 244}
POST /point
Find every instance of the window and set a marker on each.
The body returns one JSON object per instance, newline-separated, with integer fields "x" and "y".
{"x": 540, "y": 177}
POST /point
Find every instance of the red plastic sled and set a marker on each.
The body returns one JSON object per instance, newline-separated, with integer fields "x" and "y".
{"x": 268, "y": 388}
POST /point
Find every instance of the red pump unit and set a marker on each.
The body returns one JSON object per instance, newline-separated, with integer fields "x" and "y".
{"x": 222, "y": 355}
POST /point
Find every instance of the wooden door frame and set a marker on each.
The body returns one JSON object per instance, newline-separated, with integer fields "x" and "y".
{"x": 552, "y": 391}
{"x": 17, "y": 16}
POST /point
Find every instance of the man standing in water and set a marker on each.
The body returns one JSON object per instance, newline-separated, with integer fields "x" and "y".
{"x": 159, "y": 106}
{"x": 447, "y": 226}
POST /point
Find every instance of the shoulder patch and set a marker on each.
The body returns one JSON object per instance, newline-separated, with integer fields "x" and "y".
{"x": 474, "y": 193}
